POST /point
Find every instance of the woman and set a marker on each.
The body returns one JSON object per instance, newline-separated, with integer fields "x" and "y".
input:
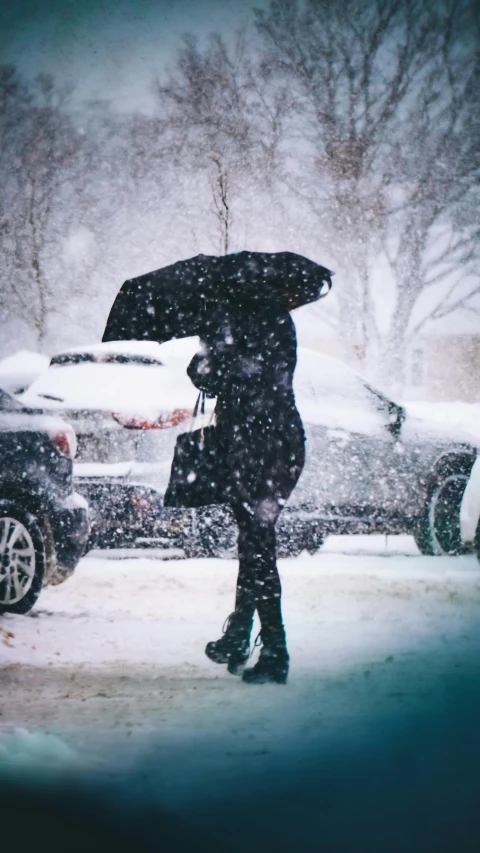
{"x": 247, "y": 362}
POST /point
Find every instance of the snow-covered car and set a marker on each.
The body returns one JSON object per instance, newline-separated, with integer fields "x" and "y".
{"x": 470, "y": 511}
{"x": 43, "y": 521}
{"x": 102, "y": 390}
{"x": 370, "y": 466}
{"x": 19, "y": 370}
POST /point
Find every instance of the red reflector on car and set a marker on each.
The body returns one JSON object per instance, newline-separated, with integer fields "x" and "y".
{"x": 65, "y": 441}
{"x": 141, "y": 504}
{"x": 164, "y": 420}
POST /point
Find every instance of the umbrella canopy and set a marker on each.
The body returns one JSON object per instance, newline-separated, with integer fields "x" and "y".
{"x": 182, "y": 299}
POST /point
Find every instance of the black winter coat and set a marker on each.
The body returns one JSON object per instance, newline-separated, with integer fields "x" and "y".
{"x": 247, "y": 362}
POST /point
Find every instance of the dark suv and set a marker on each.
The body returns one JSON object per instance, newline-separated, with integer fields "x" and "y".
{"x": 43, "y": 522}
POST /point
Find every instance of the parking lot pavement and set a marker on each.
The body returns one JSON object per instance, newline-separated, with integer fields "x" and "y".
{"x": 107, "y": 674}
{"x": 109, "y": 646}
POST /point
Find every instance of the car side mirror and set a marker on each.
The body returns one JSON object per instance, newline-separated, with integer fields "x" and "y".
{"x": 397, "y": 415}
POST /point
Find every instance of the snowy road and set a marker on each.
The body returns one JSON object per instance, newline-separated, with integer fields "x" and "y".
{"x": 121, "y": 643}
{"x": 112, "y": 664}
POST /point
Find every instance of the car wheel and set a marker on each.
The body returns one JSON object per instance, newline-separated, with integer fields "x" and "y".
{"x": 438, "y": 532}
{"x": 22, "y": 558}
{"x": 477, "y": 541}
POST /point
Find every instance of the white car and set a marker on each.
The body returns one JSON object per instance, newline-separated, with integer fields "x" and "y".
{"x": 470, "y": 511}
{"x": 119, "y": 397}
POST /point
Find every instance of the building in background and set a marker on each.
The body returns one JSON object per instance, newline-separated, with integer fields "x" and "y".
{"x": 443, "y": 364}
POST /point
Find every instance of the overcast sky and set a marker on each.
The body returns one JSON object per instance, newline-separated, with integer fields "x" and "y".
{"x": 109, "y": 48}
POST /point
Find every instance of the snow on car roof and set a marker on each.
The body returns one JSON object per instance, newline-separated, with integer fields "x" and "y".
{"x": 21, "y": 368}
{"x": 23, "y": 360}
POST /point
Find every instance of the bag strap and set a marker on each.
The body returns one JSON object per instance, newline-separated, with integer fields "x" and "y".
{"x": 197, "y": 405}
{"x": 200, "y": 404}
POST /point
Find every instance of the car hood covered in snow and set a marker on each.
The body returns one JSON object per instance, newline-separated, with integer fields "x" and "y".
{"x": 443, "y": 433}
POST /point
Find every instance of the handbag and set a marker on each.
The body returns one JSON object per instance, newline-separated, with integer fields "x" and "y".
{"x": 196, "y": 474}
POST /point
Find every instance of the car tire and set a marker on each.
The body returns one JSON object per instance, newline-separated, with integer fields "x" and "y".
{"x": 477, "y": 541}
{"x": 22, "y": 553}
{"x": 438, "y": 531}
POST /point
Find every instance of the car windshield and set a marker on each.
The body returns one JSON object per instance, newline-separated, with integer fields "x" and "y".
{"x": 326, "y": 381}
{"x": 70, "y": 358}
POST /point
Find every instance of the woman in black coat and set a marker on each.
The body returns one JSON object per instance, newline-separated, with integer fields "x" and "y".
{"x": 248, "y": 361}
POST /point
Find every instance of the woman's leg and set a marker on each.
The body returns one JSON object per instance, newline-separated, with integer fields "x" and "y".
{"x": 259, "y": 587}
{"x": 258, "y": 584}
{"x": 234, "y": 647}
{"x": 258, "y": 577}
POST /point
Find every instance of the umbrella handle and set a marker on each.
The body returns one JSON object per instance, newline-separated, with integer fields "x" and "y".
{"x": 328, "y": 281}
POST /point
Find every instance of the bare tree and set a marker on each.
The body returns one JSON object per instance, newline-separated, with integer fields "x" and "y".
{"x": 41, "y": 148}
{"x": 381, "y": 105}
{"x": 432, "y": 242}
{"x": 226, "y": 118}
{"x": 15, "y": 100}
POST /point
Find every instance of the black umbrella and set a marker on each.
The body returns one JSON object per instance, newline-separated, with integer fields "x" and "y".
{"x": 180, "y": 300}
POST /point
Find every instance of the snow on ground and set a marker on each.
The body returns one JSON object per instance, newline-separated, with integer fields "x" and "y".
{"x": 22, "y": 749}
{"x": 142, "y": 610}
{"x": 374, "y": 737}
{"x": 118, "y": 649}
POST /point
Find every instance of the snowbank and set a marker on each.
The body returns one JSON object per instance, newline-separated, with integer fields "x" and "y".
{"x": 23, "y": 750}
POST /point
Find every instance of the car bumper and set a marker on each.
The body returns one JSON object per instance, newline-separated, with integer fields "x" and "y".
{"x": 122, "y": 512}
{"x": 70, "y": 530}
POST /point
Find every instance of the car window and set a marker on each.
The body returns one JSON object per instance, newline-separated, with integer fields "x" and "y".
{"x": 332, "y": 396}
{"x": 320, "y": 380}
{"x": 8, "y": 403}
{"x": 70, "y": 358}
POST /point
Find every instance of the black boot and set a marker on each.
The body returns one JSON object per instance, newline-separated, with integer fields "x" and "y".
{"x": 234, "y": 647}
{"x": 272, "y": 665}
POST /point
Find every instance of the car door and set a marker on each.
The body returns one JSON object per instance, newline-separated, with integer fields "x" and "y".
{"x": 354, "y": 461}
{"x": 377, "y": 467}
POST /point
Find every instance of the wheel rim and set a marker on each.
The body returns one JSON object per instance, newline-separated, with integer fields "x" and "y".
{"x": 17, "y": 561}
{"x": 445, "y": 514}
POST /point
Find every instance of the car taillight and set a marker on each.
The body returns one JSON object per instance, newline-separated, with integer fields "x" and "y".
{"x": 65, "y": 441}
{"x": 161, "y": 420}
{"x": 141, "y": 504}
